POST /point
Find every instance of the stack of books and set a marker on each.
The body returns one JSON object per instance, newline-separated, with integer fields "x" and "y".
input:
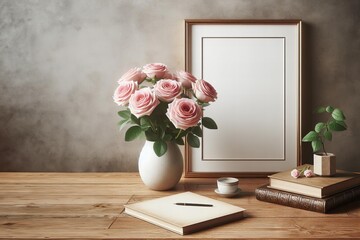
{"x": 319, "y": 194}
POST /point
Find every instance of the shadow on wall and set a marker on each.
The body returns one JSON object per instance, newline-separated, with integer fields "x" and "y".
{"x": 306, "y": 111}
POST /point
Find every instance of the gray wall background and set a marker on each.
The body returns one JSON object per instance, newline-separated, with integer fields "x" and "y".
{"x": 59, "y": 62}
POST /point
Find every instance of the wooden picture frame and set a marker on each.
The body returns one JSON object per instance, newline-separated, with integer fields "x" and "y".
{"x": 255, "y": 65}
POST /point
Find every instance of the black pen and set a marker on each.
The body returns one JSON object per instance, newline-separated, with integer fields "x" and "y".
{"x": 194, "y": 204}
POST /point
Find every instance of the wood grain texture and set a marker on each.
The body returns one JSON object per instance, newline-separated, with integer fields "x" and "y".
{"x": 90, "y": 206}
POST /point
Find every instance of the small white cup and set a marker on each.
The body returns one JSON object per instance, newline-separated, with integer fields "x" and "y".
{"x": 227, "y": 185}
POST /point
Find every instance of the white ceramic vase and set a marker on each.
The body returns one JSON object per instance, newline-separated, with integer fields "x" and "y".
{"x": 160, "y": 173}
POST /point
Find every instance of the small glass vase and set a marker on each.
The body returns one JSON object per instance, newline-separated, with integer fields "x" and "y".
{"x": 160, "y": 173}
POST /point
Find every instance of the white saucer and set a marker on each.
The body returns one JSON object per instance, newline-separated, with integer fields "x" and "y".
{"x": 228, "y": 194}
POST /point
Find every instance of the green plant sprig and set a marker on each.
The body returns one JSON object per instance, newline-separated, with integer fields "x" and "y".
{"x": 323, "y": 130}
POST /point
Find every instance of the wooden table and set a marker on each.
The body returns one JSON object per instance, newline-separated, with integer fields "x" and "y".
{"x": 90, "y": 206}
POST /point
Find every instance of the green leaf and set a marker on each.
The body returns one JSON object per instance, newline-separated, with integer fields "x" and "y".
{"x": 132, "y": 133}
{"x": 328, "y": 135}
{"x": 123, "y": 123}
{"x": 319, "y": 126}
{"x": 338, "y": 115}
{"x": 125, "y": 114}
{"x": 134, "y": 119}
{"x": 205, "y": 104}
{"x": 151, "y": 136}
{"x": 193, "y": 140}
{"x": 160, "y": 148}
{"x": 336, "y": 126}
{"x": 316, "y": 145}
{"x": 183, "y": 133}
{"x": 167, "y": 137}
{"x": 179, "y": 141}
{"x": 342, "y": 124}
{"x": 209, "y": 123}
{"x": 311, "y": 136}
{"x": 321, "y": 110}
{"x": 329, "y": 109}
{"x": 145, "y": 122}
{"x": 197, "y": 131}
{"x": 162, "y": 131}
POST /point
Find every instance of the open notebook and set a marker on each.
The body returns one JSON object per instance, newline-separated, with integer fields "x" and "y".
{"x": 184, "y": 219}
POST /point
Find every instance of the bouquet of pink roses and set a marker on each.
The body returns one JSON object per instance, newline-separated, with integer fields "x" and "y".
{"x": 164, "y": 106}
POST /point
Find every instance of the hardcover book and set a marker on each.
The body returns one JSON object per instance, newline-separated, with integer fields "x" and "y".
{"x": 316, "y": 186}
{"x": 167, "y": 212}
{"x": 322, "y": 205}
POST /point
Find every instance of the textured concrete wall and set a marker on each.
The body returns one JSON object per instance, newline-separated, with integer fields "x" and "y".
{"x": 59, "y": 62}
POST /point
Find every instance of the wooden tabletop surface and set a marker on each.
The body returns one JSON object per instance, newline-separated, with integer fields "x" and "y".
{"x": 90, "y": 206}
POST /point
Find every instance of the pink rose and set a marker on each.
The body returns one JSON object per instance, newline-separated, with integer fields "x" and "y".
{"x": 169, "y": 75}
{"x": 157, "y": 70}
{"x": 123, "y": 92}
{"x": 185, "y": 78}
{"x": 134, "y": 74}
{"x": 166, "y": 89}
{"x": 295, "y": 173}
{"x": 308, "y": 173}
{"x": 184, "y": 113}
{"x": 204, "y": 91}
{"x": 143, "y": 102}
